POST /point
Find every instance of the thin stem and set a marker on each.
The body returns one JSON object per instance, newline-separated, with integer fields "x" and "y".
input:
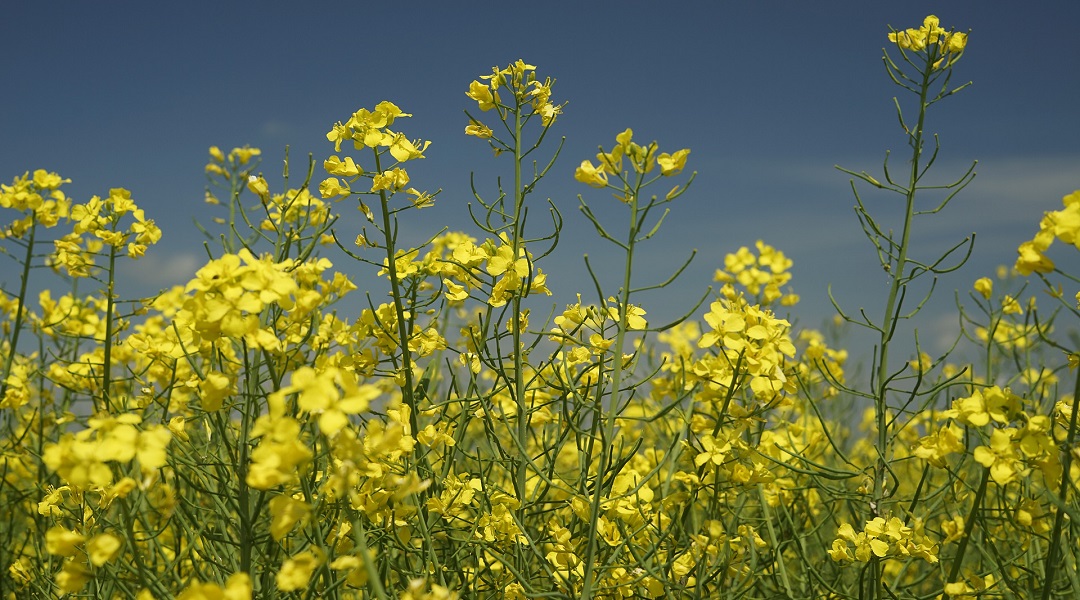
{"x": 888, "y": 323}
{"x": 106, "y": 368}
{"x": 20, "y": 303}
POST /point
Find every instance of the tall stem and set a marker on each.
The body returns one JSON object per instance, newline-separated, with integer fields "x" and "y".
{"x": 520, "y": 468}
{"x": 20, "y": 304}
{"x": 407, "y": 392}
{"x": 888, "y": 325}
{"x": 607, "y": 443}
{"x": 106, "y": 367}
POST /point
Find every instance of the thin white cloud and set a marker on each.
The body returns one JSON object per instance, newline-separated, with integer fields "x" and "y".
{"x": 276, "y": 128}
{"x": 153, "y": 272}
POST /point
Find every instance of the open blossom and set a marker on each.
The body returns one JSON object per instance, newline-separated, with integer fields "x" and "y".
{"x": 588, "y": 174}
{"x": 484, "y": 96}
{"x": 672, "y": 164}
{"x": 475, "y": 128}
{"x": 344, "y": 167}
{"x": 1000, "y": 457}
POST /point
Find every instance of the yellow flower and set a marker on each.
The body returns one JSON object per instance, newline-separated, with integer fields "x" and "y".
{"x": 999, "y": 457}
{"x": 713, "y": 451}
{"x": 237, "y": 587}
{"x": 590, "y": 175}
{"x": 483, "y": 95}
{"x": 258, "y": 186}
{"x": 319, "y": 394}
{"x": 671, "y": 164}
{"x": 102, "y": 548}
{"x": 285, "y": 513}
{"x": 634, "y": 318}
{"x": 296, "y": 571}
{"x": 279, "y": 456}
{"x": 984, "y": 286}
{"x": 402, "y": 149}
{"x": 1010, "y": 306}
{"x": 479, "y": 130}
{"x": 45, "y": 180}
{"x": 956, "y": 42}
{"x": 394, "y": 179}
{"x": 243, "y": 155}
{"x": 62, "y": 542}
{"x": 344, "y": 168}
{"x": 1031, "y": 257}
{"x": 332, "y": 187}
{"x": 72, "y": 577}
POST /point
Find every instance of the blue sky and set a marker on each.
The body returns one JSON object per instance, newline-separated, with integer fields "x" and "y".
{"x": 768, "y": 95}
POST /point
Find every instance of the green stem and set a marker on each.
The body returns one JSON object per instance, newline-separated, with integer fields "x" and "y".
{"x": 607, "y": 442}
{"x": 21, "y": 302}
{"x": 520, "y": 467}
{"x": 881, "y": 410}
{"x": 395, "y": 290}
{"x": 969, "y": 526}
{"x": 106, "y": 367}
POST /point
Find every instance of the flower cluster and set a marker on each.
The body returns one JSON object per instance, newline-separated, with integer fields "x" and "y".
{"x": 1063, "y": 225}
{"x": 519, "y": 80}
{"x": 641, "y": 159}
{"x": 930, "y": 34}
{"x": 752, "y": 344}
{"x": 371, "y": 129}
{"x": 238, "y": 159}
{"x": 760, "y": 275}
{"x": 882, "y": 538}
{"x": 39, "y": 197}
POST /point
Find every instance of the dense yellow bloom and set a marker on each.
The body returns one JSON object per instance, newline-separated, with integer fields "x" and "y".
{"x": 39, "y": 199}
{"x": 333, "y": 394}
{"x": 761, "y": 275}
{"x": 280, "y": 454}
{"x": 882, "y": 538}
{"x": 750, "y": 337}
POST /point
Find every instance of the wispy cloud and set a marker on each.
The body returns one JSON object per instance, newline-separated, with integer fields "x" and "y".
{"x": 276, "y": 128}
{"x": 154, "y": 272}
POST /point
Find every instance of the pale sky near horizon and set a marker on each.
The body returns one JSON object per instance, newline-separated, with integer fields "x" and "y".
{"x": 768, "y": 96}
